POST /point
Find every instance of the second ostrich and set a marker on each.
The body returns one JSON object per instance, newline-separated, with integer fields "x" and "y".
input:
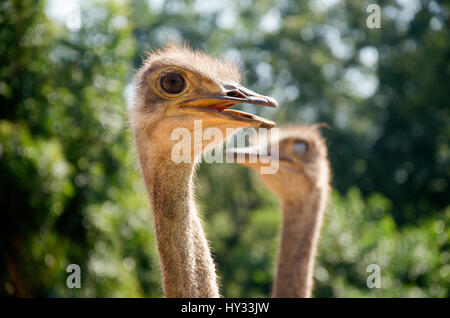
{"x": 302, "y": 184}
{"x": 176, "y": 88}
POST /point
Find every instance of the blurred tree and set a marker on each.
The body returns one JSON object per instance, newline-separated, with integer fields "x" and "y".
{"x": 71, "y": 193}
{"x": 24, "y": 46}
{"x": 64, "y": 159}
{"x": 413, "y": 260}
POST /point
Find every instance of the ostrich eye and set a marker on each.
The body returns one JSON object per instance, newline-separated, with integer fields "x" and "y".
{"x": 300, "y": 148}
{"x": 173, "y": 83}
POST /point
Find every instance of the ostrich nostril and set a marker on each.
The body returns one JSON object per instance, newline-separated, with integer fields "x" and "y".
{"x": 236, "y": 94}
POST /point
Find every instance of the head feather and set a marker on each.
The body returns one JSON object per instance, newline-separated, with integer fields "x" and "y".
{"x": 198, "y": 61}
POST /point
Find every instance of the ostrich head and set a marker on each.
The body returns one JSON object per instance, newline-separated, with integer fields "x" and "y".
{"x": 302, "y": 156}
{"x": 177, "y": 86}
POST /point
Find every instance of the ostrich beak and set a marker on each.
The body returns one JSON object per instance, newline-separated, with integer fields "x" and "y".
{"x": 230, "y": 95}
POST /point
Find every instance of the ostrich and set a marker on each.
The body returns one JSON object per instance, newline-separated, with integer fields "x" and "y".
{"x": 175, "y": 87}
{"x": 302, "y": 185}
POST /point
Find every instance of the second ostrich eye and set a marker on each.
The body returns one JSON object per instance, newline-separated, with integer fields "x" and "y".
{"x": 173, "y": 83}
{"x": 300, "y": 148}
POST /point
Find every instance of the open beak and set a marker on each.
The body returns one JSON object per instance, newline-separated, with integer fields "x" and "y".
{"x": 232, "y": 95}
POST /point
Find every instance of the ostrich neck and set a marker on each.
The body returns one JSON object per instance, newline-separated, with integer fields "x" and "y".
{"x": 302, "y": 220}
{"x": 186, "y": 263}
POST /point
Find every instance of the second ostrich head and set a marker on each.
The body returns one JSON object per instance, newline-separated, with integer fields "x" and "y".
{"x": 302, "y": 156}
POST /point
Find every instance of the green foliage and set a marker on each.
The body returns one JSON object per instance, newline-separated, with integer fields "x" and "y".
{"x": 63, "y": 146}
{"x": 358, "y": 232}
{"x": 69, "y": 186}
